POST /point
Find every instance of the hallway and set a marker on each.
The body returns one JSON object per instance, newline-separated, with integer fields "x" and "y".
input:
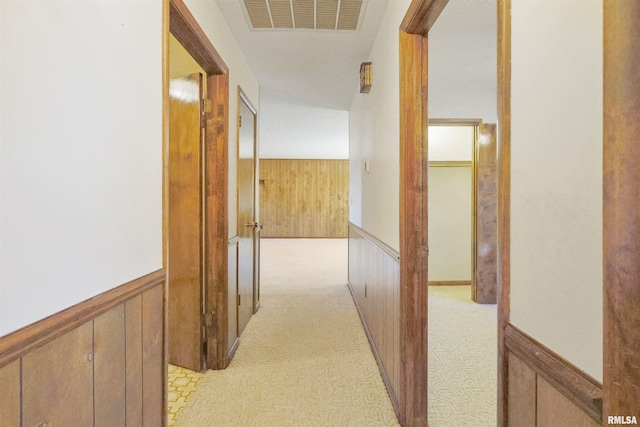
{"x": 304, "y": 358}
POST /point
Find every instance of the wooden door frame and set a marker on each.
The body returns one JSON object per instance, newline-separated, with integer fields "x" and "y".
{"x": 621, "y": 216}
{"x": 414, "y": 250}
{"x": 179, "y": 21}
{"x": 473, "y": 123}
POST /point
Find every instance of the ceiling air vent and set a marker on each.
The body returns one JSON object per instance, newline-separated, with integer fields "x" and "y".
{"x": 304, "y": 14}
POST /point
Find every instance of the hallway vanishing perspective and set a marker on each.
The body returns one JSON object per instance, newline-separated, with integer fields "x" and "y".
{"x": 304, "y": 359}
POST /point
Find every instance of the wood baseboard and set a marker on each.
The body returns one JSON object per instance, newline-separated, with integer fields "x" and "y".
{"x": 450, "y": 283}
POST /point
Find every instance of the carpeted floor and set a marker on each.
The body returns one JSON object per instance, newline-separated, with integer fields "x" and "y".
{"x": 304, "y": 359}
{"x": 462, "y": 359}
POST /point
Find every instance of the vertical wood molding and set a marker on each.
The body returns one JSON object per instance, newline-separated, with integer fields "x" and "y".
{"x": 504, "y": 203}
{"x": 621, "y": 221}
{"x": 133, "y": 398}
{"x": 217, "y": 220}
{"x": 413, "y": 229}
{"x": 486, "y": 203}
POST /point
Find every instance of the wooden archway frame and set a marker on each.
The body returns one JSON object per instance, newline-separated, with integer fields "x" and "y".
{"x": 188, "y": 32}
{"x": 414, "y": 250}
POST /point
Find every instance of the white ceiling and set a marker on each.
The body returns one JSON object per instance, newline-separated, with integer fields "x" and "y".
{"x": 320, "y": 68}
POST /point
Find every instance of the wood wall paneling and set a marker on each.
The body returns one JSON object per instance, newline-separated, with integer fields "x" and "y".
{"x": 109, "y": 368}
{"x": 10, "y": 395}
{"x": 555, "y": 410}
{"x": 581, "y": 391}
{"x": 84, "y": 366}
{"x": 522, "y": 393}
{"x": 485, "y": 285}
{"x": 621, "y": 221}
{"x": 304, "y": 198}
{"x": 153, "y": 380}
{"x": 133, "y": 331}
{"x": 374, "y": 282}
{"x": 57, "y": 381}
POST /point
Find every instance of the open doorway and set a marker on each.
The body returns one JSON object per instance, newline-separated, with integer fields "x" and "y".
{"x": 195, "y": 210}
{"x": 462, "y": 215}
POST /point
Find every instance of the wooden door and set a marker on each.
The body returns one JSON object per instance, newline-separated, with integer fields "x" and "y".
{"x": 247, "y": 224}
{"x": 185, "y": 223}
{"x": 485, "y": 283}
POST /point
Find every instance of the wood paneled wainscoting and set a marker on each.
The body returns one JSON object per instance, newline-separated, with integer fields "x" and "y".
{"x": 99, "y": 363}
{"x": 304, "y": 198}
{"x": 545, "y": 390}
{"x": 374, "y": 282}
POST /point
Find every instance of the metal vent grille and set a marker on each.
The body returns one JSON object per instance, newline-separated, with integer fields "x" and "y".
{"x": 307, "y": 14}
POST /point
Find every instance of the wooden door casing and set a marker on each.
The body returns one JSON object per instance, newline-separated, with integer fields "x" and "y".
{"x": 485, "y": 283}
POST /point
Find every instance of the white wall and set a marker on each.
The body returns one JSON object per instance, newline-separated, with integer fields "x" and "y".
{"x": 556, "y": 172}
{"x": 450, "y": 195}
{"x": 374, "y": 136}
{"x": 80, "y": 150}
{"x": 462, "y": 62}
{"x": 451, "y": 143}
{"x": 450, "y": 223}
{"x": 210, "y": 18}
{"x": 291, "y": 131}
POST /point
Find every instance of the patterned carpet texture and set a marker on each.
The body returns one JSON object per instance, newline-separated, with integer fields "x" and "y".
{"x": 462, "y": 359}
{"x": 304, "y": 359}
{"x": 182, "y": 384}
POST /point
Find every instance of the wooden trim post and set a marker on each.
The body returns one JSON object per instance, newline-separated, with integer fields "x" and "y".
{"x": 504, "y": 203}
{"x": 621, "y": 215}
{"x": 414, "y": 249}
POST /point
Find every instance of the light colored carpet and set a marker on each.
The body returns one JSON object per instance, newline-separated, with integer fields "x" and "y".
{"x": 304, "y": 359}
{"x": 462, "y": 359}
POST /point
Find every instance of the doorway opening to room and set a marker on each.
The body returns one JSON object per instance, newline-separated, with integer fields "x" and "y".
{"x": 462, "y": 270}
{"x": 462, "y": 214}
{"x": 196, "y": 209}
{"x": 448, "y": 70}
